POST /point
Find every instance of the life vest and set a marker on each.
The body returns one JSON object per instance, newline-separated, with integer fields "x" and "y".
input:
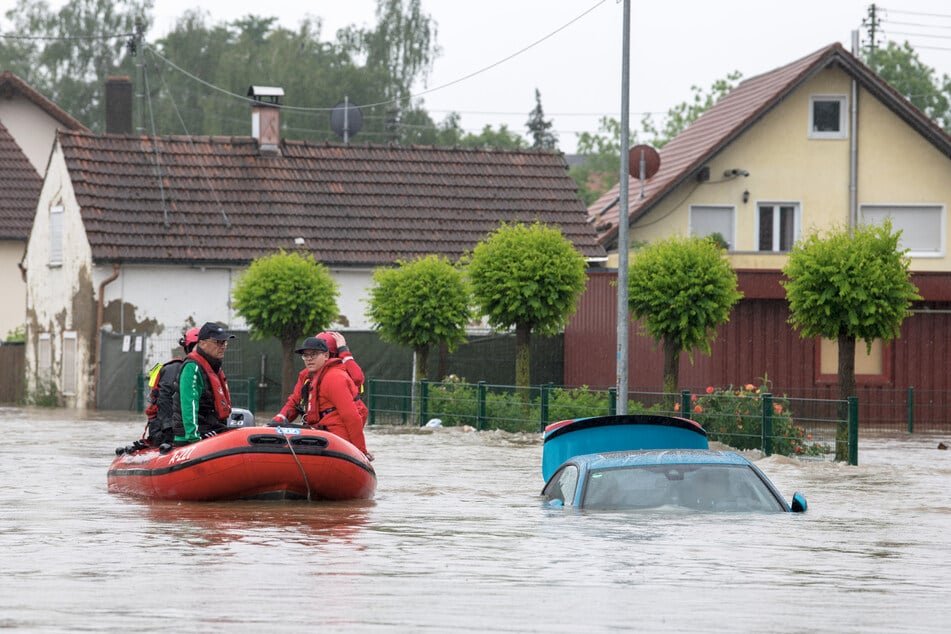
{"x": 217, "y": 385}
{"x": 307, "y": 407}
{"x": 160, "y": 411}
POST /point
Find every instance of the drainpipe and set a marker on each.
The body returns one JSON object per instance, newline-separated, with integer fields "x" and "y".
{"x": 853, "y": 145}
{"x": 100, "y": 309}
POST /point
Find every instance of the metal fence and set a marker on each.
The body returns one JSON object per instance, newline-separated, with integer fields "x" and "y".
{"x": 746, "y": 419}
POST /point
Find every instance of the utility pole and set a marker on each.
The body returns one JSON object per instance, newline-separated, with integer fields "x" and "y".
{"x": 135, "y": 47}
{"x": 873, "y": 23}
{"x": 623, "y": 320}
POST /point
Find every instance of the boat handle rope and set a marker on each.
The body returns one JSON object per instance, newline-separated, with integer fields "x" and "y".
{"x": 303, "y": 473}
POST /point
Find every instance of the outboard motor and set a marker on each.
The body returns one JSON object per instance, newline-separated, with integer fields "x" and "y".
{"x": 240, "y": 418}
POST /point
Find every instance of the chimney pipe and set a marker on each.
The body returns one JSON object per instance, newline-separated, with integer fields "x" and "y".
{"x": 118, "y": 105}
{"x": 266, "y": 117}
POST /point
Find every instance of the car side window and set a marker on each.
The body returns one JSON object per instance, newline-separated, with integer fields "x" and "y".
{"x": 562, "y": 485}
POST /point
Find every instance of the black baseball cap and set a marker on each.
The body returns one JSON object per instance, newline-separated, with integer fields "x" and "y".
{"x": 312, "y": 343}
{"x": 212, "y": 330}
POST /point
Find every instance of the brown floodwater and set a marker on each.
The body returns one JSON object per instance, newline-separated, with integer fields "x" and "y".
{"x": 457, "y": 540}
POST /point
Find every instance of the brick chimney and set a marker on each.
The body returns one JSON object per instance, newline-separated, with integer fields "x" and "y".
{"x": 118, "y": 105}
{"x": 266, "y": 118}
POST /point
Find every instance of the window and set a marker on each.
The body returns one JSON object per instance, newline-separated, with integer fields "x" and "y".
{"x": 44, "y": 357}
{"x": 69, "y": 363}
{"x": 777, "y": 226}
{"x": 870, "y": 367}
{"x": 922, "y": 226}
{"x": 827, "y": 117}
{"x": 56, "y": 235}
{"x": 706, "y": 220}
{"x": 562, "y": 485}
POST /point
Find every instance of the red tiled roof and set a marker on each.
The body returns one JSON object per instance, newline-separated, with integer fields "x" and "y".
{"x": 218, "y": 199}
{"x": 10, "y": 84}
{"x": 19, "y": 189}
{"x": 685, "y": 154}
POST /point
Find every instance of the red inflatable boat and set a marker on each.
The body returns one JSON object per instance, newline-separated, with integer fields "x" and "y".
{"x": 249, "y": 463}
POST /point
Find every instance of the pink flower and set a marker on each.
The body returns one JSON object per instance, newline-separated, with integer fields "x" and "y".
{"x": 710, "y": 389}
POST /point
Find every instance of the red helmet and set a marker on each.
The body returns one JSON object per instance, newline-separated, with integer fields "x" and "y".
{"x": 330, "y": 341}
{"x": 191, "y": 337}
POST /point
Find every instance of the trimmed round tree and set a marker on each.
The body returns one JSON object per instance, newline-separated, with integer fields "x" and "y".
{"x": 849, "y": 286}
{"x": 529, "y": 278}
{"x": 420, "y": 304}
{"x": 682, "y": 289}
{"x": 288, "y": 296}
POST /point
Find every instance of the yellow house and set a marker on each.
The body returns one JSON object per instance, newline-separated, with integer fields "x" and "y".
{"x": 819, "y": 143}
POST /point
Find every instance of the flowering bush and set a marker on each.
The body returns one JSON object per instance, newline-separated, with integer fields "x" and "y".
{"x": 734, "y": 416}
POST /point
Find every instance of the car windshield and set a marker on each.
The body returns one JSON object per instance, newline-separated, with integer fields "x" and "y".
{"x": 705, "y": 487}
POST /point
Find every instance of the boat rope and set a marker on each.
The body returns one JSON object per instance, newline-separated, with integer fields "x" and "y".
{"x": 303, "y": 473}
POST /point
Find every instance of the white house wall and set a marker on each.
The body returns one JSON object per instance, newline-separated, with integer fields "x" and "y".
{"x": 31, "y": 127}
{"x": 161, "y": 301}
{"x": 58, "y": 297}
{"x": 12, "y": 287}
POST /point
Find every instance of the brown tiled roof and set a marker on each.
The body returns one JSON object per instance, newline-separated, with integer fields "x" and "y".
{"x": 10, "y": 84}
{"x": 19, "y": 189}
{"x": 733, "y": 115}
{"x": 217, "y": 199}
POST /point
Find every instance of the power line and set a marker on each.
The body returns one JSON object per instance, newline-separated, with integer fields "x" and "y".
{"x": 60, "y": 38}
{"x": 392, "y": 102}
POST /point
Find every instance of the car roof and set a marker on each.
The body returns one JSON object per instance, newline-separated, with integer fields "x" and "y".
{"x": 653, "y": 457}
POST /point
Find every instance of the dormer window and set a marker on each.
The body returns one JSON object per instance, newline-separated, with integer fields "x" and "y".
{"x": 827, "y": 117}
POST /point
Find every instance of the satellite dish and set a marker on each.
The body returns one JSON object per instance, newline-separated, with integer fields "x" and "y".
{"x": 346, "y": 119}
{"x": 651, "y": 161}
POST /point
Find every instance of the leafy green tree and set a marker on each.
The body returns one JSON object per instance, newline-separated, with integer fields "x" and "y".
{"x": 601, "y": 167}
{"x": 683, "y": 288}
{"x": 288, "y": 296}
{"x": 846, "y": 286}
{"x": 83, "y": 43}
{"x": 420, "y": 304}
{"x": 899, "y": 66}
{"x": 543, "y": 137}
{"x": 683, "y": 114}
{"x": 527, "y": 277}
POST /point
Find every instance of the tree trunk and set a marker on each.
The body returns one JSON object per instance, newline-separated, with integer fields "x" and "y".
{"x": 422, "y": 363}
{"x": 523, "y": 359}
{"x": 288, "y": 368}
{"x": 671, "y": 373}
{"x": 846, "y": 389}
{"x": 523, "y": 378}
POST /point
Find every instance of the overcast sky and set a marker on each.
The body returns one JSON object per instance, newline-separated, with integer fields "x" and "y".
{"x": 574, "y": 48}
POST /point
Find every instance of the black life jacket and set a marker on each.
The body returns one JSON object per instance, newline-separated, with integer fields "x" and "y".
{"x": 161, "y": 407}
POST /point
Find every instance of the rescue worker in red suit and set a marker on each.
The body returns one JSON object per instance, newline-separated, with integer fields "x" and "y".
{"x": 325, "y": 396}
{"x": 337, "y": 347}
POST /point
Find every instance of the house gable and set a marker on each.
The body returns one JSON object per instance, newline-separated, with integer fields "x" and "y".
{"x": 723, "y": 136}
{"x": 32, "y": 119}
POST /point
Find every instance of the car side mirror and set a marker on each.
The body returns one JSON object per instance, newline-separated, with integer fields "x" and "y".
{"x": 556, "y": 503}
{"x": 798, "y": 503}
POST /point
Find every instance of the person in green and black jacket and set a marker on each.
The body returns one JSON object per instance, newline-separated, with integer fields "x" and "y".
{"x": 204, "y": 402}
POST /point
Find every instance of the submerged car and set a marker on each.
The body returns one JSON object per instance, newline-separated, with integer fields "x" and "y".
{"x": 641, "y": 462}
{"x": 673, "y": 479}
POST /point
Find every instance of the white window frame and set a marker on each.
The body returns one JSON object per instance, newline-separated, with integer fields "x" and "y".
{"x": 931, "y": 219}
{"x": 44, "y": 356}
{"x": 70, "y": 373}
{"x": 56, "y": 235}
{"x": 728, "y": 233}
{"x": 797, "y": 225}
{"x": 843, "y": 131}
